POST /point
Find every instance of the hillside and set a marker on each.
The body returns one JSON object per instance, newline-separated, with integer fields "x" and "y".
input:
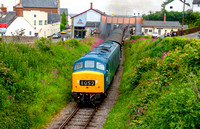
{"x": 160, "y": 85}
{"x": 35, "y": 79}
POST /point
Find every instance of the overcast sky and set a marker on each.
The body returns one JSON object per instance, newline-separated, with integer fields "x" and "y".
{"x": 125, "y": 7}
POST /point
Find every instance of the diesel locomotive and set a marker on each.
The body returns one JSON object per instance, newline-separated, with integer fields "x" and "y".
{"x": 93, "y": 72}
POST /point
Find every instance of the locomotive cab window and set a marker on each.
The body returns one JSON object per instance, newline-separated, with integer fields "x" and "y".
{"x": 89, "y": 64}
{"x": 100, "y": 66}
{"x": 79, "y": 65}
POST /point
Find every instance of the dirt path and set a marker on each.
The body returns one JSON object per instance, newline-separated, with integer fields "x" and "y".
{"x": 106, "y": 106}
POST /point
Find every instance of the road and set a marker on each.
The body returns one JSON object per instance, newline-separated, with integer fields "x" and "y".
{"x": 62, "y": 36}
{"x": 193, "y": 35}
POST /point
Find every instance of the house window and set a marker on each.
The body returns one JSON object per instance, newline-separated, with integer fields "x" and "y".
{"x": 45, "y": 22}
{"x": 171, "y": 7}
{"x": 40, "y": 22}
{"x": 146, "y": 30}
{"x": 150, "y": 31}
{"x": 30, "y": 33}
{"x": 34, "y": 22}
{"x": 198, "y": 5}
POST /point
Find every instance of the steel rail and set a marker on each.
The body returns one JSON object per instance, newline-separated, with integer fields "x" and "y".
{"x": 69, "y": 118}
{"x": 88, "y": 122}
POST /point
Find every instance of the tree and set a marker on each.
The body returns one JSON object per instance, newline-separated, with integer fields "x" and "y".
{"x": 64, "y": 19}
{"x": 62, "y": 27}
{"x": 166, "y": 2}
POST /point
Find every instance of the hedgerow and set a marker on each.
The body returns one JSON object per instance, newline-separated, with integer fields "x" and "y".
{"x": 160, "y": 85}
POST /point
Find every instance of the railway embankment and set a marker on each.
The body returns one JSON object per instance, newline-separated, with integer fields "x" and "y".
{"x": 160, "y": 85}
{"x": 35, "y": 79}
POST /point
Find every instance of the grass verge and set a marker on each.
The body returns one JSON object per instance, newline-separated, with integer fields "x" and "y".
{"x": 160, "y": 85}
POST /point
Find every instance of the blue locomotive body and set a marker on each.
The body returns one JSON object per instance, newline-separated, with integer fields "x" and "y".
{"x": 93, "y": 73}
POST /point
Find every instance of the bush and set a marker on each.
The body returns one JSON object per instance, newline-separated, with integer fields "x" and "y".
{"x": 135, "y": 37}
{"x": 159, "y": 85}
{"x": 34, "y": 83}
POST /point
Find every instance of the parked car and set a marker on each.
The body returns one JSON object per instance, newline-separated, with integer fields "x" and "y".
{"x": 155, "y": 34}
{"x": 63, "y": 32}
{"x": 56, "y": 35}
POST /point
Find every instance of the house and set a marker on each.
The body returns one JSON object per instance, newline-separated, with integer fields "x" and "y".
{"x": 177, "y": 5}
{"x": 196, "y": 5}
{"x": 44, "y": 15}
{"x": 45, "y": 24}
{"x": 15, "y": 24}
{"x": 161, "y": 27}
{"x": 49, "y": 6}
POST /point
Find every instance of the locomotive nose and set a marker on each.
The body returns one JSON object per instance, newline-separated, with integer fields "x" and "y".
{"x": 88, "y": 82}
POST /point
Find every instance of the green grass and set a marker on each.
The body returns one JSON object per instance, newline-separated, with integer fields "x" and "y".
{"x": 35, "y": 80}
{"x": 157, "y": 87}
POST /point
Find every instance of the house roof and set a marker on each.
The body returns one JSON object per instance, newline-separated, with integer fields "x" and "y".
{"x": 8, "y": 18}
{"x": 92, "y": 24}
{"x": 180, "y": 1}
{"x": 161, "y": 23}
{"x": 196, "y": 1}
{"x": 96, "y": 10}
{"x": 63, "y": 10}
{"x": 40, "y": 3}
{"x": 53, "y": 18}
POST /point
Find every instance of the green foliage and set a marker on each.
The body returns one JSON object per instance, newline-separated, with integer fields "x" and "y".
{"x": 62, "y": 27}
{"x": 190, "y": 17}
{"x": 1, "y": 39}
{"x": 136, "y": 37}
{"x": 35, "y": 81}
{"x": 165, "y": 3}
{"x": 160, "y": 84}
{"x": 64, "y": 19}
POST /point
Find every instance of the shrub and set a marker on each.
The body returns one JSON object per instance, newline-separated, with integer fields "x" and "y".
{"x": 159, "y": 85}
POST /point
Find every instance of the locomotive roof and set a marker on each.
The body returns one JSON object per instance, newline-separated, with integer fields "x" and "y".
{"x": 102, "y": 52}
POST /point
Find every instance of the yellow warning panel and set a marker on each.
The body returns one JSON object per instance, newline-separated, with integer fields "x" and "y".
{"x": 88, "y": 82}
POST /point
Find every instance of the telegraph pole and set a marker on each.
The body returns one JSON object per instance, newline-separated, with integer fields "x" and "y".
{"x": 183, "y": 17}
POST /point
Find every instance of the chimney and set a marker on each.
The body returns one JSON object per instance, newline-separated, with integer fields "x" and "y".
{"x": 3, "y": 9}
{"x": 58, "y": 2}
{"x": 19, "y": 9}
{"x": 165, "y": 17}
{"x": 91, "y": 5}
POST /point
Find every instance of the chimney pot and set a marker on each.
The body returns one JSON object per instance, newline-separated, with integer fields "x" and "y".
{"x": 91, "y": 5}
{"x": 165, "y": 17}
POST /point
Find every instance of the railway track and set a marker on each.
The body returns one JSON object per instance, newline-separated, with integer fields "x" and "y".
{"x": 80, "y": 118}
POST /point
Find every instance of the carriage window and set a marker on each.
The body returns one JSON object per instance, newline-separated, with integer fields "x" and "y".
{"x": 100, "y": 66}
{"x": 89, "y": 64}
{"x": 79, "y": 65}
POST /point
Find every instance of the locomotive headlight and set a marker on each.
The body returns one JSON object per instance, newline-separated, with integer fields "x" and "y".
{"x": 96, "y": 81}
{"x": 77, "y": 81}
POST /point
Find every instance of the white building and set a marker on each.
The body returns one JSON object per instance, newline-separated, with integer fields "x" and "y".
{"x": 161, "y": 27}
{"x": 15, "y": 24}
{"x": 45, "y": 24}
{"x": 85, "y": 23}
{"x": 196, "y": 5}
{"x": 177, "y": 5}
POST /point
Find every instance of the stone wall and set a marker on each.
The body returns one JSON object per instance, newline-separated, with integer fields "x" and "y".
{"x": 27, "y": 39}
